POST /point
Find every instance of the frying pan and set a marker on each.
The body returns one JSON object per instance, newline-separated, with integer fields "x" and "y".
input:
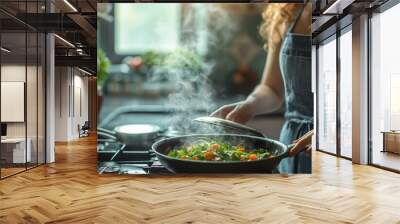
{"x": 266, "y": 165}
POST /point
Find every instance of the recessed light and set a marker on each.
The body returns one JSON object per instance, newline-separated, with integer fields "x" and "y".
{"x": 337, "y": 7}
{"x": 5, "y": 50}
{"x": 84, "y": 71}
{"x": 70, "y": 5}
{"x": 64, "y": 40}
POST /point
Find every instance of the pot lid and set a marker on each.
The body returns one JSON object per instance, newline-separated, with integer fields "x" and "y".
{"x": 137, "y": 129}
{"x": 229, "y": 125}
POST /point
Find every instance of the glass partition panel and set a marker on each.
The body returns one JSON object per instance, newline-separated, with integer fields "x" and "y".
{"x": 346, "y": 94}
{"x": 14, "y": 150}
{"x": 327, "y": 97}
{"x": 22, "y": 89}
{"x": 32, "y": 98}
{"x": 385, "y": 89}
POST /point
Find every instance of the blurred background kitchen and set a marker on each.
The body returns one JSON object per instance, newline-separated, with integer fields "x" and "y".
{"x": 163, "y": 63}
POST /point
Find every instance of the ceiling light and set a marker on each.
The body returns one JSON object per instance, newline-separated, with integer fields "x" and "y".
{"x": 337, "y": 7}
{"x": 70, "y": 5}
{"x": 5, "y": 50}
{"x": 84, "y": 71}
{"x": 64, "y": 40}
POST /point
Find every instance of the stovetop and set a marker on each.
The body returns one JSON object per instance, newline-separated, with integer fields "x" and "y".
{"x": 117, "y": 157}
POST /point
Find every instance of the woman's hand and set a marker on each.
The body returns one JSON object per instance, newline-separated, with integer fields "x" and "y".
{"x": 240, "y": 112}
{"x": 303, "y": 142}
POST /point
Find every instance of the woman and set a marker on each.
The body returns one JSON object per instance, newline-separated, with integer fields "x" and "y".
{"x": 286, "y": 78}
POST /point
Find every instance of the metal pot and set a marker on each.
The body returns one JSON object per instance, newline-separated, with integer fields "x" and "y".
{"x": 133, "y": 134}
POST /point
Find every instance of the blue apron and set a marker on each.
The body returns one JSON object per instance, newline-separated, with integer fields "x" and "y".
{"x": 295, "y": 64}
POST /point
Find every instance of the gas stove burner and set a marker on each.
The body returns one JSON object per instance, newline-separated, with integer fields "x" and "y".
{"x": 114, "y": 167}
{"x": 127, "y": 149}
{"x": 108, "y": 167}
{"x": 133, "y": 169}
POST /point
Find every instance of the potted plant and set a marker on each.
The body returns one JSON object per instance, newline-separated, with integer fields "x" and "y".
{"x": 103, "y": 63}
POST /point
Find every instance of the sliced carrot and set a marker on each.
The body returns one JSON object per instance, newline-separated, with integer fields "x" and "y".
{"x": 209, "y": 155}
{"x": 252, "y": 157}
{"x": 241, "y": 149}
{"x": 214, "y": 147}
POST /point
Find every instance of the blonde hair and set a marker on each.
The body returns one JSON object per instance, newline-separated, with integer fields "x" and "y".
{"x": 277, "y": 19}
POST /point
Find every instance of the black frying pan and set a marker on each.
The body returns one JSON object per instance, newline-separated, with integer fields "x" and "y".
{"x": 268, "y": 165}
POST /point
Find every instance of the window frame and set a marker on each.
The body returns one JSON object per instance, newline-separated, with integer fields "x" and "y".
{"x": 109, "y": 28}
{"x": 380, "y": 9}
{"x": 25, "y": 30}
{"x": 179, "y": 9}
{"x": 334, "y": 36}
{"x": 339, "y": 28}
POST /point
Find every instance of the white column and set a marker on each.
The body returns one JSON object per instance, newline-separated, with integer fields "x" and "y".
{"x": 314, "y": 91}
{"x": 50, "y": 100}
{"x": 360, "y": 90}
{"x": 50, "y": 92}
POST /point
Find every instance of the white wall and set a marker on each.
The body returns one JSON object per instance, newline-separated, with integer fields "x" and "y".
{"x": 14, "y": 73}
{"x": 71, "y": 93}
{"x": 61, "y": 103}
{"x": 33, "y": 127}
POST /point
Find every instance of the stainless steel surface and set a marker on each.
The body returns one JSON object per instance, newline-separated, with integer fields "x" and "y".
{"x": 230, "y": 125}
{"x": 132, "y": 134}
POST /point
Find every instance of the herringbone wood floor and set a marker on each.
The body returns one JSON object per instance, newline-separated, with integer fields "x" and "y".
{"x": 70, "y": 191}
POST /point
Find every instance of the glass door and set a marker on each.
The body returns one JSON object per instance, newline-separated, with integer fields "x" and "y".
{"x": 22, "y": 77}
{"x": 326, "y": 96}
{"x": 345, "y": 93}
{"x": 14, "y": 153}
{"x": 385, "y": 89}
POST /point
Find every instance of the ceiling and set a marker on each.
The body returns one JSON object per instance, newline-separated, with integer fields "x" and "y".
{"x": 73, "y": 20}
{"x": 332, "y": 15}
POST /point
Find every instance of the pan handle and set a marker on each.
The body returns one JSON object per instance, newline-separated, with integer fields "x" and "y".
{"x": 305, "y": 140}
{"x": 290, "y": 147}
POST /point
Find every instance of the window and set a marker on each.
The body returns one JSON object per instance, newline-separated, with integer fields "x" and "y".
{"x": 22, "y": 75}
{"x": 161, "y": 23}
{"x": 385, "y": 88}
{"x": 346, "y": 94}
{"x": 327, "y": 97}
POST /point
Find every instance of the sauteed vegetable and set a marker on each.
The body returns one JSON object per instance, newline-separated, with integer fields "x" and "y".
{"x": 213, "y": 150}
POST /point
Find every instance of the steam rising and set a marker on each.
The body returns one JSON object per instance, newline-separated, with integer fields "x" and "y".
{"x": 189, "y": 75}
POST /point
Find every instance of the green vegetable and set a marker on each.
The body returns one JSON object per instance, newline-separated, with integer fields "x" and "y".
{"x": 215, "y": 150}
{"x": 102, "y": 67}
